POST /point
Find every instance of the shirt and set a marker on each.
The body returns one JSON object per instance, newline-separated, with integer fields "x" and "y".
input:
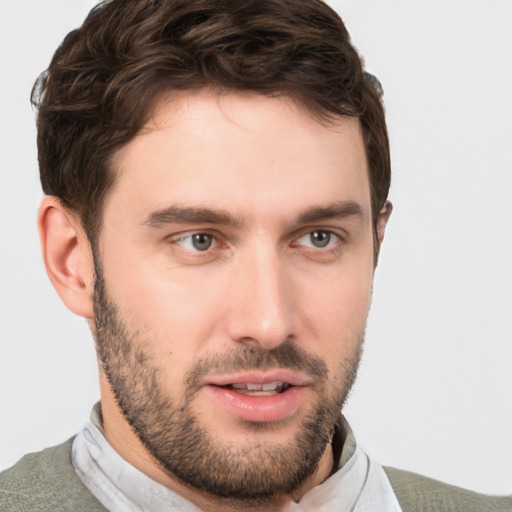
{"x": 358, "y": 484}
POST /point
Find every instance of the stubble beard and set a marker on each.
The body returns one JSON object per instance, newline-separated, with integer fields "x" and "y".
{"x": 252, "y": 474}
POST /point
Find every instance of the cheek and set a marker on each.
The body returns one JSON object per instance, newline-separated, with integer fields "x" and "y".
{"x": 343, "y": 307}
{"x": 335, "y": 309}
{"x": 175, "y": 311}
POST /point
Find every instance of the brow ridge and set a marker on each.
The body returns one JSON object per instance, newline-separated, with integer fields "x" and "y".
{"x": 336, "y": 210}
{"x": 192, "y": 215}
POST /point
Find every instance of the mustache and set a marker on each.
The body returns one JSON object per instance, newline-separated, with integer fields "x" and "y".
{"x": 287, "y": 356}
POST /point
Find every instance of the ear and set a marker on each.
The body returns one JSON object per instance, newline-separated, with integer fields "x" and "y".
{"x": 384, "y": 215}
{"x": 67, "y": 256}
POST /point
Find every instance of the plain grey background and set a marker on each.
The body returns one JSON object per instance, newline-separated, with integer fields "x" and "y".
{"x": 435, "y": 388}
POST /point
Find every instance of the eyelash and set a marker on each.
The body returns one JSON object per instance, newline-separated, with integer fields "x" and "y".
{"x": 191, "y": 236}
{"x": 333, "y": 239}
{"x": 332, "y": 245}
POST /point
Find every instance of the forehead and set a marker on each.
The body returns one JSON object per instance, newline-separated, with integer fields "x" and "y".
{"x": 240, "y": 151}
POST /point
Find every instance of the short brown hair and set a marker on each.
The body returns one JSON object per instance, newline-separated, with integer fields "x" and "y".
{"x": 105, "y": 77}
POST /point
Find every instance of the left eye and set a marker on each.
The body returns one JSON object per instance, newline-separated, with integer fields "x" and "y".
{"x": 318, "y": 239}
{"x": 197, "y": 242}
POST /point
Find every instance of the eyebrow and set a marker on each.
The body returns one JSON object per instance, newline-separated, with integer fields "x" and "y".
{"x": 337, "y": 210}
{"x": 191, "y": 215}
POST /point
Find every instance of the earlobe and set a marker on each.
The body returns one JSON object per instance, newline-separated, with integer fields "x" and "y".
{"x": 384, "y": 215}
{"x": 67, "y": 256}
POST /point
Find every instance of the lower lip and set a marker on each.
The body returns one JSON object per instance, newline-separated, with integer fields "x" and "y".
{"x": 259, "y": 408}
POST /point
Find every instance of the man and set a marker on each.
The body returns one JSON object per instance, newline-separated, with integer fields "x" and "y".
{"x": 216, "y": 177}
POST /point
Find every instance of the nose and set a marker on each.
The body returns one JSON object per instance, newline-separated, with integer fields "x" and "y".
{"x": 261, "y": 309}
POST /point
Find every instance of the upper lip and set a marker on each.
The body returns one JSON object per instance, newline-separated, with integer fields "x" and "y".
{"x": 260, "y": 377}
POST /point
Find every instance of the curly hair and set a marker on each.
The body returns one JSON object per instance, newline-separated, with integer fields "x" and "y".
{"x": 106, "y": 77}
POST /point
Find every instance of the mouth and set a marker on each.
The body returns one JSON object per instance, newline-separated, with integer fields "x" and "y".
{"x": 260, "y": 397}
{"x": 252, "y": 389}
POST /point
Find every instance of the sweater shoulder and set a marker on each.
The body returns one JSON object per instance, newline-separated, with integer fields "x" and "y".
{"x": 45, "y": 481}
{"x": 417, "y": 493}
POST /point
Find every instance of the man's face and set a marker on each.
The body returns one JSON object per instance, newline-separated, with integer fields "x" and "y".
{"x": 235, "y": 268}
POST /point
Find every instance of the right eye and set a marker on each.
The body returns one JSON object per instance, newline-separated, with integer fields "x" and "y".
{"x": 197, "y": 242}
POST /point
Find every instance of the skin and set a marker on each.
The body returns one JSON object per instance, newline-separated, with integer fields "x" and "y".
{"x": 276, "y": 175}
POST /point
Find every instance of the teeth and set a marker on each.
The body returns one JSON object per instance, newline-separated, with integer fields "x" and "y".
{"x": 270, "y": 388}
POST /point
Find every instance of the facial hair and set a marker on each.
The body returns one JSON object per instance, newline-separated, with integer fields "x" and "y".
{"x": 174, "y": 435}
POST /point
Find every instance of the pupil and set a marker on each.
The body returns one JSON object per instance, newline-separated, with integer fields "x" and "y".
{"x": 202, "y": 241}
{"x": 320, "y": 238}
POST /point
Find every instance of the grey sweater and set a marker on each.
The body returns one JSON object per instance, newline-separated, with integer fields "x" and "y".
{"x": 47, "y": 482}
